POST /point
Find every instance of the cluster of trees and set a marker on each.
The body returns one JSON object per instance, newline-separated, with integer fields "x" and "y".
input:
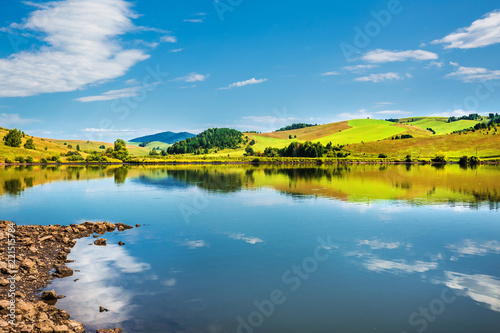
{"x": 306, "y": 149}
{"x": 472, "y": 160}
{"x": 219, "y": 138}
{"x": 472, "y": 116}
{"x": 14, "y": 138}
{"x": 154, "y": 152}
{"x": 393, "y": 120}
{"x": 403, "y": 136}
{"x": 431, "y": 130}
{"x": 294, "y": 126}
{"x": 119, "y": 151}
{"x": 494, "y": 119}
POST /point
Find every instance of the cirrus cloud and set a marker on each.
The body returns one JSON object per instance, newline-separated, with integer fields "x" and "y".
{"x": 383, "y": 56}
{"x": 244, "y": 83}
{"x": 382, "y": 77}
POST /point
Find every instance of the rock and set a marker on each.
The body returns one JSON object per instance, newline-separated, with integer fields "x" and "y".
{"x": 61, "y": 329}
{"x": 100, "y": 242}
{"x": 121, "y": 228}
{"x": 63, "y": 271}
{"x": 137, "y": 225}
{"x": 28, "y": 264}
{"x": 4, "y": 304}
{"x": 95, "y": 236}
{"x": 4, "y": 282}
{"x": 45, "y": 327}
{"x": 49, "y": 295}
{"x": 121, "y": 243}
{"x": 116, "y": 330}
{"x": 43, "y": 239}
{"x": 110, "y": 226}
{"x": 103, "y": 309}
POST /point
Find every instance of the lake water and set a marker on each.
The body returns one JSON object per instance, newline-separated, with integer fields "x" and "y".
{"x": 358, "y": 248}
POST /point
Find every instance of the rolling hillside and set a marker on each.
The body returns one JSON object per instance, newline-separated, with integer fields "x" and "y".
{"x": 45, "y": 148}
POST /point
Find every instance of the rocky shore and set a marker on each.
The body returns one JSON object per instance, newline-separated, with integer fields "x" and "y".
{"x": 31, "y": 256}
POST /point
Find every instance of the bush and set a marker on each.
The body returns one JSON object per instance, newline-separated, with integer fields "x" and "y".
{"x": 439, "y": 158}
{"x": 30, "y": 159}
{"x": 75, "y": 158}
{"x": 44, "y": 160}
{"x": 102, "y": 147}
{"x": 29, "y": 144}
{"x": 8, "y": 161}
{"x": 19, "y": 159}
{"x": 13, "y": 138}
{"x": 382, "y": 155}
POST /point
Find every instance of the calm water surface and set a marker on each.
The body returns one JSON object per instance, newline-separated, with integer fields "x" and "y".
{"x": 275, "y": 249}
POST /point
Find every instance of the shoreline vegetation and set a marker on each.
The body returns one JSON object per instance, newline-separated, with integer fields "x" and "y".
{"x": 468, "y": 140}
{"x": 273, "y": 160}
{"x": 37, "y": 255}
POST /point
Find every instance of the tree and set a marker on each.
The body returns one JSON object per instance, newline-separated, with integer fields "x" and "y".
{"x": 78, "y": 147}
{"x": 29, "y": 144}
{"x": 102, "y": 147}
{"x": 120, "y": 150}
{"x": 13, "y": 138}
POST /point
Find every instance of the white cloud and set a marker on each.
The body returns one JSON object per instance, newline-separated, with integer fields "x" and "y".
{"x": 168, "y": 39}
{"x": 9, "y": 119}
{"x": 193, "y": 20}
{"x": 177, "y": 50}
{"x": 358, "y": 68}
{"x": 81, "y": 48}
{"x": 381, "y": 77}
{"x": 474, "y": 74}
{"x": 249, "y": 240}
{"x": 196, "y": 244}
{"x": 111, "y": 95}
{"x": 399, "y": 266}
{"x": 393, "y": 112}
{"x": 376, "y": 244}
{"x": 481, "y": 33}
{"x": 244, "y": 83}
{"x": 360, "y": 114}
{"x": 456, "y": 113}
{"x": 469, "y": 247}
{"x": 192, "y": 77}
{"x": 383, "y": 104}
{"x": 481, "y": 288}
{"x": 438, "y": 64}
{"x": 382, "y": 56}
{"x": 330, "y": 73}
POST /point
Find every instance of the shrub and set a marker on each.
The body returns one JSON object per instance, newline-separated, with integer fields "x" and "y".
{"x": 439, "y": 158}
{"x": 102, "y": 147}
{"x": 43, "y": 160}
{"x": 382, "y": 155}
{"x": 408, "y": 158}
{"x": 13, "y": 138}
{"x": 19, "y": 159}
{"x": 29, "y": 144}
{"x": 7, "y": 160}
{"x": 70, "y": 146}
{"x": 29, "y": 159}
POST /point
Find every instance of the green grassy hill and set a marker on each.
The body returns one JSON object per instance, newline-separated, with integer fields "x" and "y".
{"x": 46, "y": 148}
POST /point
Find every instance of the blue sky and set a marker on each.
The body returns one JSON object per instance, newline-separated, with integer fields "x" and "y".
{"x": 103, "y": 69}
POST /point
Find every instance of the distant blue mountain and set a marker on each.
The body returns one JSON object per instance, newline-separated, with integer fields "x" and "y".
{"x": 166, "y": 137}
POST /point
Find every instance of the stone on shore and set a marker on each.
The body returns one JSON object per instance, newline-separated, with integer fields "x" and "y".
{"x": 100, "y": 242}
